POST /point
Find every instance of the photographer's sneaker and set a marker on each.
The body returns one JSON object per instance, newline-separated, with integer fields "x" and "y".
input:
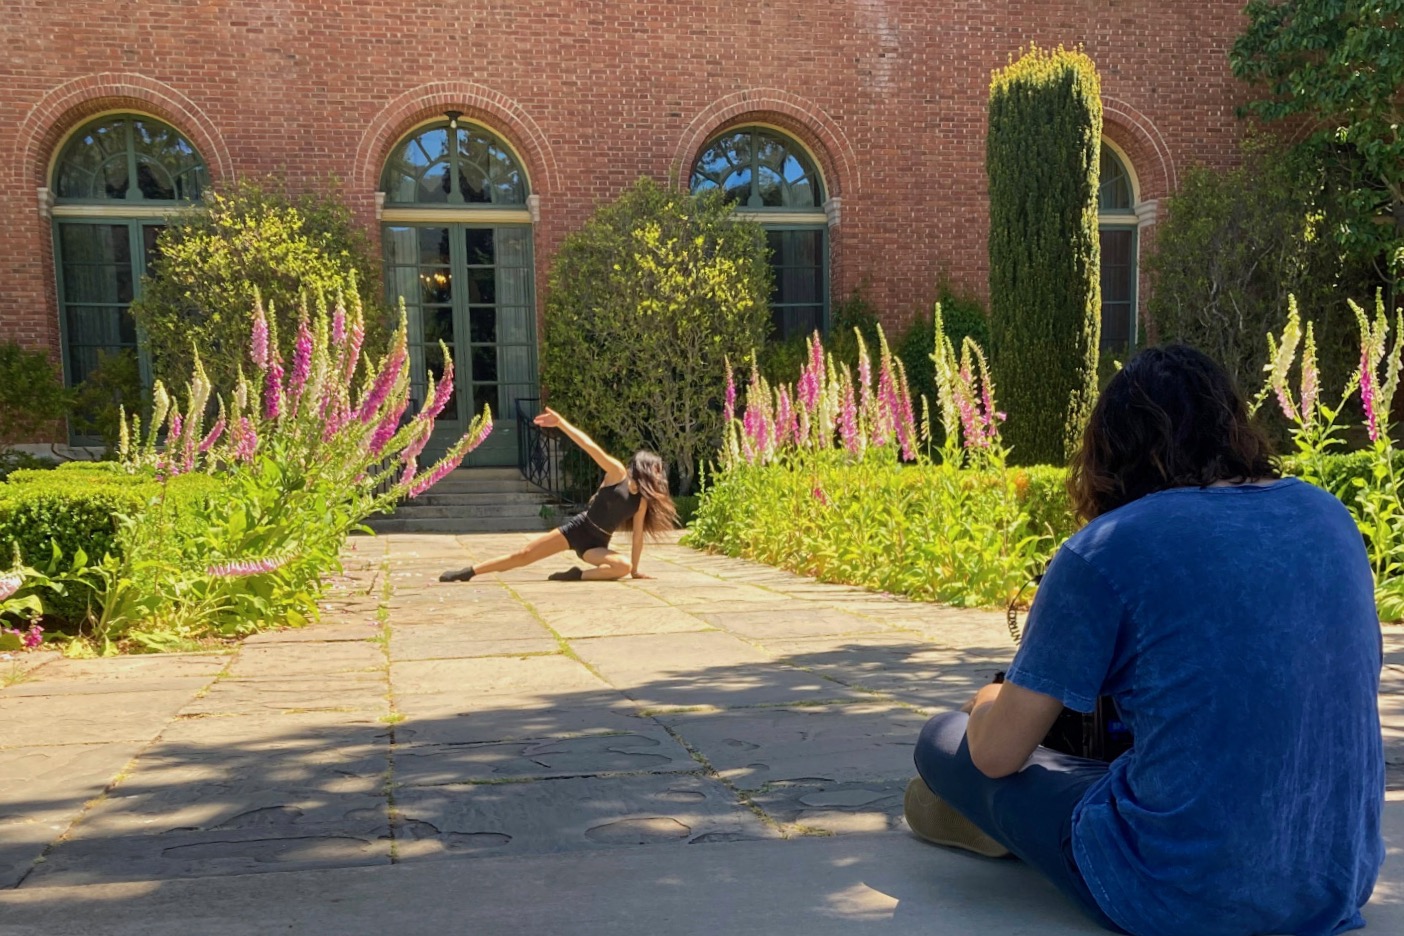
{"x": 935, "y": 820}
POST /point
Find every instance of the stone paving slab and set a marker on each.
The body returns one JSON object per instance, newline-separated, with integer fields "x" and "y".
{"x": 586, "y": 813}
{"x": 449, "y": 719}
{"x": 86, "y": 719}
{"x": 833, "y": 743}
{"x": 624, "y": 622}
{"x": 330, "y": 692}
{"x": 690, "y": 669}
{"x": 458, "y": 641}
{"x": 476, "y": 678}
{"x": 644, "y": 750}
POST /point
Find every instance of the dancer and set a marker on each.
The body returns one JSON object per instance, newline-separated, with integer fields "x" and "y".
{"x": 1230, "y": 614}
{"x": 635, "y": 496}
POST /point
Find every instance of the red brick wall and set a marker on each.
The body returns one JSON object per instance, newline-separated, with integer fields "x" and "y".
{"x": 890, "y": 95}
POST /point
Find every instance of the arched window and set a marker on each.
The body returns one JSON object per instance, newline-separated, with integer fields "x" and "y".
{"x": 114, "y": 182}
{"x": 770, "y": 178}
{"x": 457, "y": 235}
{"x": 1117, "y": 221}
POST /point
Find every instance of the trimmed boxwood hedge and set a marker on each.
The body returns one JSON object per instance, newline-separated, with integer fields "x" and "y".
{"x": 80, "y": 508}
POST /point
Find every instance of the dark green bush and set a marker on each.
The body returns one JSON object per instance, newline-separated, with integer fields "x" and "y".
{"x": 97, "y": 402}
{"x": 648, "y": 301}
{"x": 964, "y": 317}
{"x": 251, "y": 237}
{"x": 32, "y": 396}
{"x": 687, "y": 506}
{"x": 781, "y": 361}
{"x": 1042, "y": 158}
{"x": 10, "y": 462}
{"x": 80, "y": 508}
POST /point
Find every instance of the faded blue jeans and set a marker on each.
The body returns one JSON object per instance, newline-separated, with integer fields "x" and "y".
{"x": 1029, "y": 813}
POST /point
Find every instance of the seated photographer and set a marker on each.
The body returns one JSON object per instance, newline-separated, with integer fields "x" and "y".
{"x": 1230, "y": 615}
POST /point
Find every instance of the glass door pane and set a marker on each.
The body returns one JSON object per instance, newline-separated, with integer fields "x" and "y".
{"x": 1118, "y": 288}
{"x": 419, "y": 268}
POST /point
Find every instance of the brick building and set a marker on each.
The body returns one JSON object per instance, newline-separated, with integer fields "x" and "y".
{"x": 853, "y": 128}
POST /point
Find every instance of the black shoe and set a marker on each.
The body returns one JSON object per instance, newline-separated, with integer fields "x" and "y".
{"x": 573, "y": 574}
{"x": 460, "y": 575}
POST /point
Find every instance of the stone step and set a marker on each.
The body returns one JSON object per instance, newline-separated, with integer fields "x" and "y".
{"x": 486, "y": 474}
{"x": 437, "y": 498}
{"x": 462, "y": 525}
{"x": 417, "y": 511}
{"x": 451, "y": 485}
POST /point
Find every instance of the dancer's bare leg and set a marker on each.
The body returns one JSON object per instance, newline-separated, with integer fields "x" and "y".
{"x": 547, "y": 544}
{"x": 608, "y": 565}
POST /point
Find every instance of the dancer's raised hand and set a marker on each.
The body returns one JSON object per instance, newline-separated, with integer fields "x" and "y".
{"x": 548, "y": 418}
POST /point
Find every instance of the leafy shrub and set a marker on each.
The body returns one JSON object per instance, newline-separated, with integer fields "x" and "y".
{"x": 32, "y": 396}
{"x": 1044, "y": 143}
{"x": 687, "y": 507}
{"x": 80, "y": 510}
{"x": 963, "y": 316}
{"x": 648, "y": 301}
{"x": 12, "y": 461}
{"x": 99, "y": 400}
{"x": 1233, "y": 245}
{"x": 781, "y": 361}
{"x": 251, "y": 240}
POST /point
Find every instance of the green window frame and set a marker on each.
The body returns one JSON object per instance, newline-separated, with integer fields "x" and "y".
{"x": 114, "y": 183}
{"x": 457, "y": 238}
{"x": 1118, "y": 228}
{"x": 771, "y": 179}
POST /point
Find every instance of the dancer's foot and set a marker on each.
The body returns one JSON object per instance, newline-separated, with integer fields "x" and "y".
{"x": 461, "y": 575}
{"x": 573, "y": 574}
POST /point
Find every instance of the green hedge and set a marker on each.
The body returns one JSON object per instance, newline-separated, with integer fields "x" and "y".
{"x": 924, "y": 530}
{"x": 80, "y": 508}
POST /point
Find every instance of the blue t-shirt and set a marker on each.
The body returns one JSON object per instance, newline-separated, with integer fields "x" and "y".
{"x": 1236, "y": 629}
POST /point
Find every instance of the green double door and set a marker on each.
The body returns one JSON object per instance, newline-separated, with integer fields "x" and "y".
{"x": 470, "y": 287}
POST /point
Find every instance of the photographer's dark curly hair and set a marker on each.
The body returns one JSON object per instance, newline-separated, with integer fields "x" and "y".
{"x": 1171, "y": 418}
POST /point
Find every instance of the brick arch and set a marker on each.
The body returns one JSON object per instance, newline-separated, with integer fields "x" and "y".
{"x": 802, "y": 119}
{"x": 70, "y": 104}
{"x": 1144, "y": 145}
{"x": 498, "y": 112}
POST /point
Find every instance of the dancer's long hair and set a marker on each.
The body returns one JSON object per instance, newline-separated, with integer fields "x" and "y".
{"x": 1172, "y": 417}
{"x": 650, "y": 476}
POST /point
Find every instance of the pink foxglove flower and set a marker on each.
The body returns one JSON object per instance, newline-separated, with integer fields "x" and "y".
{"x": 820, "y": 496}
{"x": 1367, "y": 394}
{"x": 258, "y": 342}
{"x": 729, "y": 406}
{"x": 302, "y": 362}
{"x": 380, "y": 389}
{"x": 848, "y": 421}
{"x": 1311, "y": 379}
{"x": 442, "y": 391}
{"x": 338, "y": 328}
{"x": 353, "y": 350}
{"x": 247, "y": 442}
{"x": 212, "y": 436}
{"x": 245, "y": 567}
{"x": 273, "y": 391}
{"x": 9, "y": 584}
{"x": 784, "y": 419}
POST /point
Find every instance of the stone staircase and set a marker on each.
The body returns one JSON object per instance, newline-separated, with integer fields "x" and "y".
{"x": 474, "y": 500}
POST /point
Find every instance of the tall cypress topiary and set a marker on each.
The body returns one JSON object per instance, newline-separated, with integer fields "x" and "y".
{"x": 1042, "y": 156}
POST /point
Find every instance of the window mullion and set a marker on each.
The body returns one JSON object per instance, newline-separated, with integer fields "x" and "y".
{"x": 134, "y": 192}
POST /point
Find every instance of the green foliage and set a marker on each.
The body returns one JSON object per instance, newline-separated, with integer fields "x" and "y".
{"x": 962, "y": 317}
{"x": 933, "y": 532}
{"x": 97, "y": 406}
{"x": 781, "y": 361}
{"x": 687, "y": 508}
{"x": 32, "y": 396}
{"x": 1233, "y": 246}
{"x": 251, "y": 240}
{"x": 80, "y": 511}
{"x": 10, "y": 462}
{"x": 1042, "y": 158}
{"x": 647, "y": 303}
{"x": 1337, "y": 67}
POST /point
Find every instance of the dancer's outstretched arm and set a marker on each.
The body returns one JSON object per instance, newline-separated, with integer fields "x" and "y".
{"x": 638, "y": 541}
{"x": 613, "y": 468}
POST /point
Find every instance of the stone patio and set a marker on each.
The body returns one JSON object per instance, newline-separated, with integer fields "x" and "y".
{"x": 440, "y": 758}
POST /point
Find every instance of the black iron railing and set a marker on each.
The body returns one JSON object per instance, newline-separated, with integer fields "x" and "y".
{"x": 548, "y": 460}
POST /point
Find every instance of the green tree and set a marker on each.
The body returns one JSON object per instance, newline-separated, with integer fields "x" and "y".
{"x": 1337, "y": 68}
{"x": 1234, "y": 244}
{"x": 254, "y": 237}
{"x": 1042, "y": 157}
{"x": 647, "y": 303}
{"x": 32, "y": 396}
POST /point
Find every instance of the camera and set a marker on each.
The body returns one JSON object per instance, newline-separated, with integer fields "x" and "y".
{"x": 1098, "y": 735}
